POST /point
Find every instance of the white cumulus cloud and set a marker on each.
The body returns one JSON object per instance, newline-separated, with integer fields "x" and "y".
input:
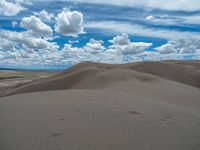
{"x": 44, "y": 15}
{"x": 36, "y": 26}
{"x": 10, "y": 8}
{"x": 123, "y": 44}
{"x": 120, "y": 39}
{"x": 94, "y": 46}
{"x": 166, "y": 49}
{"x": 25, "y": 39}
{"x": 184, "y": 46}
{"x": 69, "y": 23}
{"x": 135, "y": 48}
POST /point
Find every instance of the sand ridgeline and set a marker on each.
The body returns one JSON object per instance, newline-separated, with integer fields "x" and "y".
{"x": 92, "y": 106}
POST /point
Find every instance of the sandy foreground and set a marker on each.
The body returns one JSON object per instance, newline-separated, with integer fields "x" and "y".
{"x": 141, "y": 106}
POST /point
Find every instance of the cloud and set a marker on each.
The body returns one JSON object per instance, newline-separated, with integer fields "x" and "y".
{"x": 187, "y": 45}
{"x": 184, "y": 46}
{"x": 44, "y": 15}
{"x": 94, "y": 46}
{"x": 166, "y": 49}
{"x": 26, "y": 2}
{"x": 120, "y": 39}
{"x": 69, "y": 49}
{"x": 69, "y": 23}
{"x": 92, "y": 51}
{"x": 35, "y": 45}
{"x": 6, "y": 45}
{"x": 135, "y": 48}
{"x": 10, "y": 9}
{"x": 179, "y": 20}
{"x": 184, "y": 5}
{"x": 193, "y": 19}
{"x": 72, "y": 55}
{"x": 140, "y": 30}
{"x": 150, "y": 17}
{"x": 122, "y": 44}
{"x": 26, "y": 40}
{"x": 36, "y": 26}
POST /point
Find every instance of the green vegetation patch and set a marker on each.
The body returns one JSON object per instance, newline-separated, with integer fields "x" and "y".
{"x": 13, "y": 75}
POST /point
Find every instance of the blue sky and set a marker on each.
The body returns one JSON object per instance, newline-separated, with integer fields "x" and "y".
{"x": 64, "y": 32}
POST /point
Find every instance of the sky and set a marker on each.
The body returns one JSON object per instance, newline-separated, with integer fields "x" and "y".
{"x": 36, "y": 33}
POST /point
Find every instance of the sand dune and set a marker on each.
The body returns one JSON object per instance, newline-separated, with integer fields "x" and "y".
{"x": 91, "y": 106}
{"x": 187, "y": 72}
{"x": 89, "y": 75}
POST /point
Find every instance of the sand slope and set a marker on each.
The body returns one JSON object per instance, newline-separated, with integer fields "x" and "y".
{"x": 105, "y": 107}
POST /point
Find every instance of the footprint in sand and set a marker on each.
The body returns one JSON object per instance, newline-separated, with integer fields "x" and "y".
{"x": 169, "y": 119}
{"x": 134, "y": 112}
{"x": 54, "y": 135}
{"x": 61, "y": 119}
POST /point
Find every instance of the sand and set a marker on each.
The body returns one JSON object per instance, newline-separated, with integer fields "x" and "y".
{"x": 105, "y": 107}
{"x": 14, "y": 77}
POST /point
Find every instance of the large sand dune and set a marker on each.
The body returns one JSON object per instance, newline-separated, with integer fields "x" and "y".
{"x": 91, "y": 106}
{"x": 89, "y": 75}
